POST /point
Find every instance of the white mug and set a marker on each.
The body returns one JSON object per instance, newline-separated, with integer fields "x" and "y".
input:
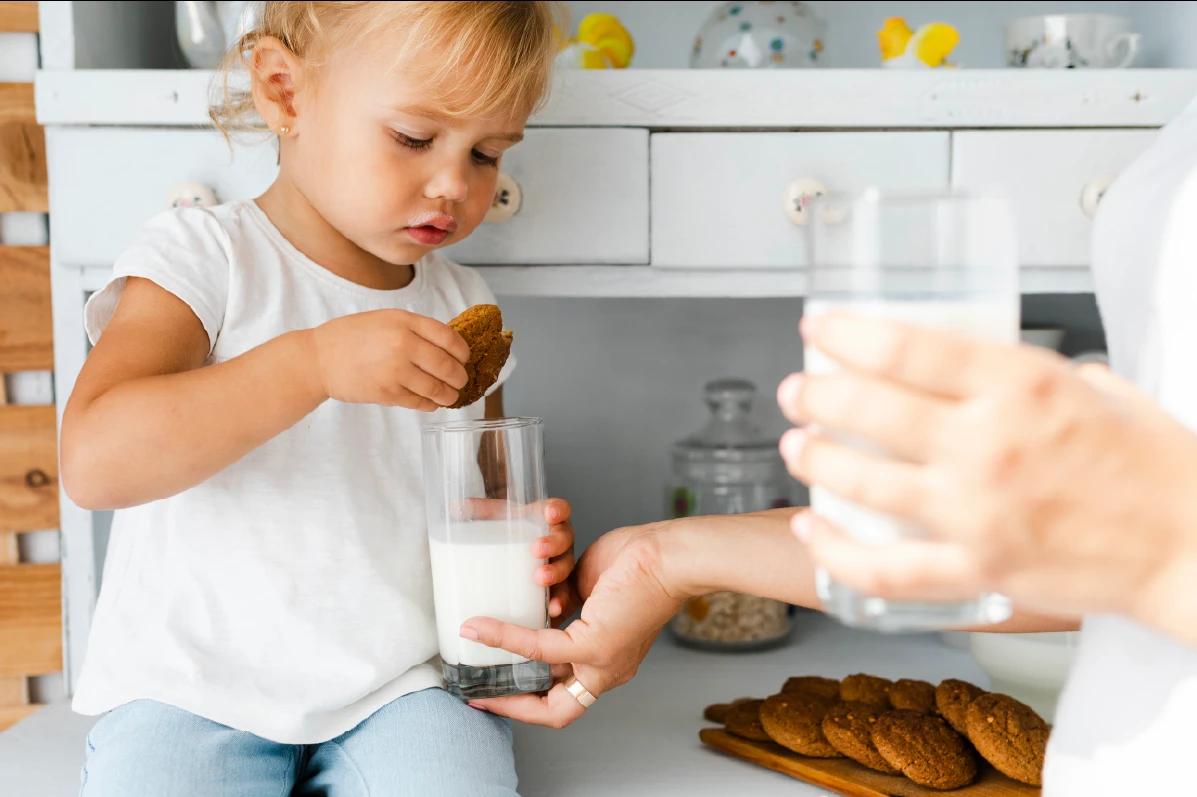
{"x": 1071, "y": 41}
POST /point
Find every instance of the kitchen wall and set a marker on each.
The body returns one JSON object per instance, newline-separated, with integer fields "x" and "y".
{"x": 618, "y": 380}
{"x": 664, "y": 39}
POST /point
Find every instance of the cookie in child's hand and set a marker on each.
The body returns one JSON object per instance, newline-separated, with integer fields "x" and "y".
{"x": 481, "y": 326}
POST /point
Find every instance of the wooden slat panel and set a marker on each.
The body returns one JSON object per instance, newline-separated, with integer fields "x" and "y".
{"x": 13, "y": 714}
{"x": 9, "y": 553}
{"x": 30, "y": 619}
{"x": 22, "y": 168}
{"x": 16, "y": 103}
{"x": 14, "y": 691}
{"x": 18, "y": 16}
{"x": 26, "y": 324}
{"x": 28, "y": 468}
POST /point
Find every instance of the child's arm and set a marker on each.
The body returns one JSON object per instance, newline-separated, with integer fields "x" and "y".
{"x": 145, "y": 421}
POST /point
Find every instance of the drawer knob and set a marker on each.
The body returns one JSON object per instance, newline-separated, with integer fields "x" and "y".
{"x": 798, "y": 195}
{"x": 192, "y": 194}
{"x": 507, "y": 201}
{"x": 1092, "y": 193}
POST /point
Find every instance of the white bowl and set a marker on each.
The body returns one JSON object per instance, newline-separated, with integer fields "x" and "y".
{"x": 1028, "y": 667}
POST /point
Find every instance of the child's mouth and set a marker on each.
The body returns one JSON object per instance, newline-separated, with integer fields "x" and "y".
{"x": 427, "y": 235}
{"x": 431, "y": 229}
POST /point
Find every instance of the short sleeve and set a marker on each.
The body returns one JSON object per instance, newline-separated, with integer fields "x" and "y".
{"x": 475, "y": 291}
{"x": 183, "y": 251}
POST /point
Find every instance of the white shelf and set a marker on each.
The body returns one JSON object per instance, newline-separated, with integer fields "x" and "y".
{"x": 593, "y": 282}
{"x": 706, "y": 99}
{"x": 647, "y": 281}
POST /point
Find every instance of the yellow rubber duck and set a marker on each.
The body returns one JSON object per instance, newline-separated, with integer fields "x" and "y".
{"x": 929, "y": 46}
{"x": 602, "y": 43}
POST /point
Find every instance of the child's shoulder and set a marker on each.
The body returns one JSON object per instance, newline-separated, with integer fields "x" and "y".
{"x": 224, "y": 222}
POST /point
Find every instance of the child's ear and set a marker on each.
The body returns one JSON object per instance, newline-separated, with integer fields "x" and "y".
{"x": 278, "y": 78}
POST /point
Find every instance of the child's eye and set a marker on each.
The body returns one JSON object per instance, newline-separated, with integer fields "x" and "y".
{"x": 411, "y": 143}
{"x": 483, "y": 159}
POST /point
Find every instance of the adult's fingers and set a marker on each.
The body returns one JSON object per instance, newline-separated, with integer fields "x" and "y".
{"x": 556, "y": 709}
{"x": 945, "y": 363}
{"x": 538, "y": 644}
{"x": 885, "y": 485}
{"x": 909, "y": 570}
{"x": 907, "y": 423}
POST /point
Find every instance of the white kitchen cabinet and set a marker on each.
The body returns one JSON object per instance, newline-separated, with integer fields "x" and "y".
{"x": 718, "y": 199}
{"x": 1053, "y": 178}
{"x": 584, "y": 199}
{"x": 584, "y": 192}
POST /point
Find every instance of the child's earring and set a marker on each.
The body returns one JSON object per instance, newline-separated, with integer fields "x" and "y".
{"x": 284, "y": 131}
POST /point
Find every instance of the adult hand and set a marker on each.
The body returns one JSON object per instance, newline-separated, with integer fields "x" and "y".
{"x": 1066, "y": 489}
{"x": 626, "y": 605}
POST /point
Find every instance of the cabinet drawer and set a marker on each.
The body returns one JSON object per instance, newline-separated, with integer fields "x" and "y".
{"x": 105, "y": 183}
{"x": 1047, "y": 175}
{"x": 717, "y": 198}
{"x": 585, "y": 200}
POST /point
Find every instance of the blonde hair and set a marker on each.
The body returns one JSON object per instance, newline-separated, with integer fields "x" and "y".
{"x": 484, "y": 57}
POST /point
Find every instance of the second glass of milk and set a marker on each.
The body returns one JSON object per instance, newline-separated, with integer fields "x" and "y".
{"x": 484, "y": 494}
{"x": 942, "y": 260}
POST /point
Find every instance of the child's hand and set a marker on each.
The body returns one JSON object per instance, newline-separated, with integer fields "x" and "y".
{"x": 558, "y": 547}
{"x": 390, "y": 357}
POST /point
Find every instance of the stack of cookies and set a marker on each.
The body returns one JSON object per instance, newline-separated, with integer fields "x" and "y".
{"x": 930, "y": 734}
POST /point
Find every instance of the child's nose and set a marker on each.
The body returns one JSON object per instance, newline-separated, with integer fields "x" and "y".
{"x": 448, "y": 182}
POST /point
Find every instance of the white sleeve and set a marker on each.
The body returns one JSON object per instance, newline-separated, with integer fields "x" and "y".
{"x": 476, "y": 291}
{"x": 1176, "y": 300}
{"x": 183, "y": 251}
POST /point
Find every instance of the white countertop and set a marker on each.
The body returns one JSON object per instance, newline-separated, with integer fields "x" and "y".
{"x": 638, "y": 740}
{"x": 643, "y": 739}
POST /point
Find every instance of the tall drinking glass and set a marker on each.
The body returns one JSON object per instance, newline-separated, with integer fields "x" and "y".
{"x": 937, "y": 260}
{"x": 484, "y": 483}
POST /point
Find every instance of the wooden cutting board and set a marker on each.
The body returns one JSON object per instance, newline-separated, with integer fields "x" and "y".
{"x": 848, "y": 778}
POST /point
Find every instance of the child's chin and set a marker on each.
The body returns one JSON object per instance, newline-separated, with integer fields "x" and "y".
{"x": 401, "y": 254}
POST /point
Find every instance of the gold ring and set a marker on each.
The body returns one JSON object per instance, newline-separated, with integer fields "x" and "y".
{"x": 580, "y": 693}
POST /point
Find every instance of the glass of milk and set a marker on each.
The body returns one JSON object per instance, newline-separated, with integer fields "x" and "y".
{"x": 484, "y": 495}
{"x": 940, "y": 260}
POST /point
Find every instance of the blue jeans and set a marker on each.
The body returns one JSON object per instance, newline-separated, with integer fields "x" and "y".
{"x": 426, "y": 743}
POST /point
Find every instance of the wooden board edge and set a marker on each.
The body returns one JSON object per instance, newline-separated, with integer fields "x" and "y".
{"x": 725, "y": 742}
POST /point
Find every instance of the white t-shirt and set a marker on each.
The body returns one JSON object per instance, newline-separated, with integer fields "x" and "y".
{"x": 289, "y": 595}
{"x": 1125, "y": 720}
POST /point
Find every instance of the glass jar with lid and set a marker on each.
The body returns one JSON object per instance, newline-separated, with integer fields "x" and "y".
{"x": 730, "y": 467}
